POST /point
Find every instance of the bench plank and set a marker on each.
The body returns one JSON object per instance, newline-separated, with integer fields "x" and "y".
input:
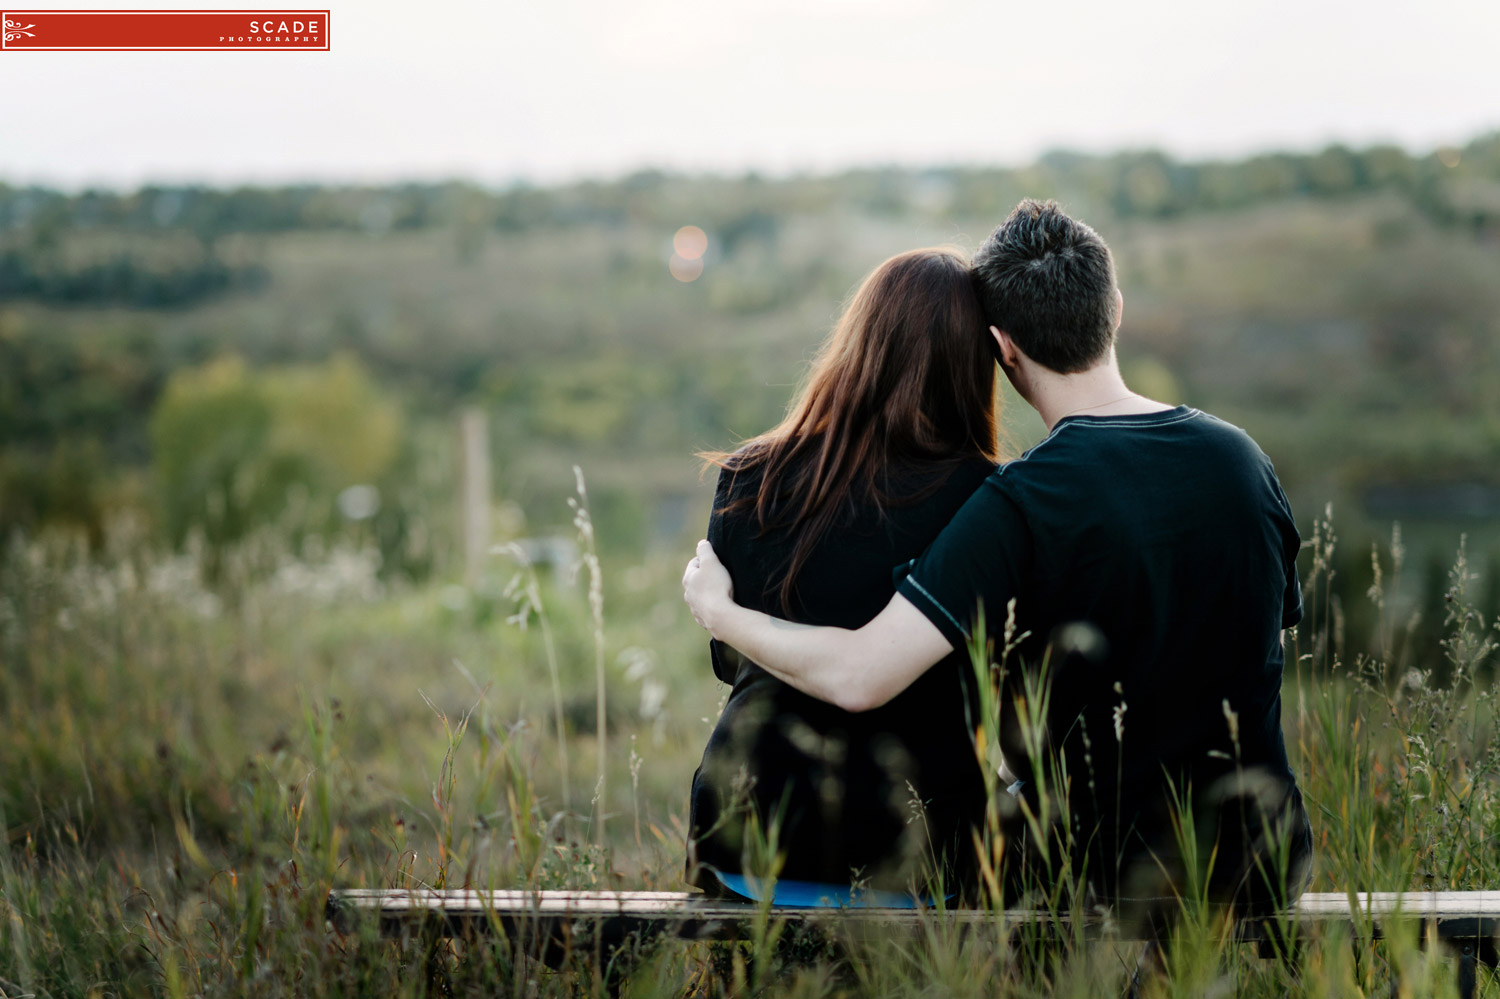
{"x": 1468, "y": 922}
{"x": 1312, "y": 907}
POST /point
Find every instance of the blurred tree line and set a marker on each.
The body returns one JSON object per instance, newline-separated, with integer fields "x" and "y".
{"x": 219, "y": 360}
{"x": 122, "y": 278}
{"x": 37, "y": 225}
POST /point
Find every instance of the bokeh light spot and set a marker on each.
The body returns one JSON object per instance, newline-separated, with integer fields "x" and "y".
{"x": 359, "y": 502}
{"x": 690, "y": 242}
{"x": 1448, "y": 156}
{"x": 685, "y": 270}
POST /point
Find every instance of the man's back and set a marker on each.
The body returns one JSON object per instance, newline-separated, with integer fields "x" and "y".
{"x": 1151, "y": 558}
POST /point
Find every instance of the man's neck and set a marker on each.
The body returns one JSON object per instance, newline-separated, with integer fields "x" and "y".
{"x": 1099, "y": 391}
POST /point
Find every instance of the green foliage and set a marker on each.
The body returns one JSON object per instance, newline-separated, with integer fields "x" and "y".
{"x": 183, "y": 776}
{"x": 1253, "y": 288}
{"x": 72, "y": 420}
{"x": 1339, "y": 304}
{"x": 184, "y": 782}
{"x": 589, "y": 401}
{"x": 64, "y": 488}
{"x": 121, "y": 278}
{"x": 209, "y": 424}
{"x": 230, "y": 445}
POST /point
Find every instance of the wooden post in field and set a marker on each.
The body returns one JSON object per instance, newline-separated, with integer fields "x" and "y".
{"x": 474, "y": 512}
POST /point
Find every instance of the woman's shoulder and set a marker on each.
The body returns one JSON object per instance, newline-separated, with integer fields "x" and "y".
{"x": 961, "y": 476}
{"x": 745, "y": 457}
{"x": 962, "y": 481}
{"x": 975, "y": 470}
{"x": 739, "y": 472}
{"x": 734, "y": 494}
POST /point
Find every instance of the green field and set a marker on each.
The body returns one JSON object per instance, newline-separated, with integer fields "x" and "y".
{"x": 221, "y": 695}
{"x": 185, "y": 779}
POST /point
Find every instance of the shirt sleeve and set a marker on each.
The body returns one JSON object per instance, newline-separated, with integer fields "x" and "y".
{"x": 726, "y": 660}
{"x": 718, "y": 524}
{"x": 1291, "y": 601}
{"x": 1291, "y": 598}
{"x": 977, "y": 562}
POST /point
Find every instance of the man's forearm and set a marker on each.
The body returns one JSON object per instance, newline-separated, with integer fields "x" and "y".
{"x": 815, "y": 660}
{"x": 855, "y": 670}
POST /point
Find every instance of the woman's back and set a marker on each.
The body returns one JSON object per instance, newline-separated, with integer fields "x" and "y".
{"x": 844, "y": 785}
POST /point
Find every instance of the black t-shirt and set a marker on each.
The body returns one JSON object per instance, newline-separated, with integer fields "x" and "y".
{"x": 1155, "y": 553}
{"x": 842, "y": 782}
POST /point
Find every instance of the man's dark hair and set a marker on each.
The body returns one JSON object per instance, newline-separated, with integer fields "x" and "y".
{"x": 1049, "y": 281}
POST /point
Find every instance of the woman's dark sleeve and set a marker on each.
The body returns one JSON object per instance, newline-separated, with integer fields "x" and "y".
{"x": 726, "y": 660}
{"x": 718, "y": 529}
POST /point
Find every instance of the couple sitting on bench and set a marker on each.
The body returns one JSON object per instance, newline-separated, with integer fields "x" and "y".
{"x": 1135, "y": 570}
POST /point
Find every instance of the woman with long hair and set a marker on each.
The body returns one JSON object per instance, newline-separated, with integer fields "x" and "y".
{"x": 895, "y": 427}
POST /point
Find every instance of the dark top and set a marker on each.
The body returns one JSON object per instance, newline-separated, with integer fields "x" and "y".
{"x": 1155, "y": 553}
{"x": 839, "y": 780}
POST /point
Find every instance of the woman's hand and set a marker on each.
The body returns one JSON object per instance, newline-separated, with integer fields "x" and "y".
{"x": 706, "y": 586}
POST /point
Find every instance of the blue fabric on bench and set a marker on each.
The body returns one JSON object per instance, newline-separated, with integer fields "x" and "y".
{"x": 818, "y": 894}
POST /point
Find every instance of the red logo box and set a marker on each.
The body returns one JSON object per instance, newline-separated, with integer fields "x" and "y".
{"x": 165, "y": 30}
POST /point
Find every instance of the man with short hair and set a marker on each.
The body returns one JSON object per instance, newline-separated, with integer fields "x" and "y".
{"x": 1149, "y": 553}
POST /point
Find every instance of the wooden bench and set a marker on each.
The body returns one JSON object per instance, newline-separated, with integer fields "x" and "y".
{"x": 553, "y": 922}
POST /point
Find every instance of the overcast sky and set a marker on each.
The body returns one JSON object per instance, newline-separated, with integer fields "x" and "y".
{"x": 550, "y": 90}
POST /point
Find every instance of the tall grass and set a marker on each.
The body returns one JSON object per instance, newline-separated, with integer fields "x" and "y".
{"x": 184, "y": 778}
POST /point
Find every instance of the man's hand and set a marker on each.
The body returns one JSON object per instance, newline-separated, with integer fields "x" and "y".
{"x": 706, "y": 587}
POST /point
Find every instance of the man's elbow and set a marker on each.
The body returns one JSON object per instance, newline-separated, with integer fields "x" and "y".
{"x": 860, "y": 695}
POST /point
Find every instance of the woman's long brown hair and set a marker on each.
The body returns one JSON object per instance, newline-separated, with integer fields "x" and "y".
{"x": 907, "y": 378}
